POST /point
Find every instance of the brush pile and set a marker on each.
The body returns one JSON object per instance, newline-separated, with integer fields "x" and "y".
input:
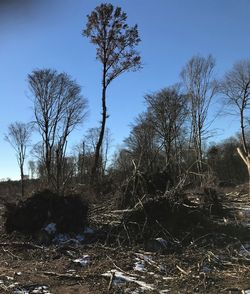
{"x": 68, "y": 213}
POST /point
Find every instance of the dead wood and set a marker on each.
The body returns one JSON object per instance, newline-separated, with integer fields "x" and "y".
{"x": 63, "y": 276}
{"x": 69, "y": 213}
{"x": 26, "y": 245}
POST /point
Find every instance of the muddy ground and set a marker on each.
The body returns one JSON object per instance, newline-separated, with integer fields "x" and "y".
{"x": 214, "y": 262}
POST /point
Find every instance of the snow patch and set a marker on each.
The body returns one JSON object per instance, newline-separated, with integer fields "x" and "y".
{"x": 80, "y": 237}
{"x": 32, "y": 289}
{"x": 88, "y": 230}
{"x": 72, "y": 239}
{"x": 83, "y": 261}
{"x": 245, "y": 249}
{"x": 50, "y": 228}
{"x": 139, "y": 265}
{"x": 61, "y": 238}
{"x": 163, "y": 242}
{"x": 120, "y": 277}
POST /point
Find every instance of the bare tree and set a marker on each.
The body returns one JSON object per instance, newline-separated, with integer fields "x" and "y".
{"x": 197, "y": 77}
{"x": 236, "y": 89}
{"x": 115, "y": 45}
{"x": 167, "y": 111}
{"x": 32, "y": 168}
{"x": 142, "y": 144}
{"x": 91, "y": 139}
{"x": 59, "y": 107}
{"x": 86, "y": 151}
{"x": 18, "y": 137}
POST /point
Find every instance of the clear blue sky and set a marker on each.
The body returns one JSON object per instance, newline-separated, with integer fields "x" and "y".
{"x": 47, "y": 33}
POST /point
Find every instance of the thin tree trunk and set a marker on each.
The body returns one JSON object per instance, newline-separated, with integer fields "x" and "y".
{"x": 248, "y": 168}
{"x": 246, "y": 159}
{"x": 94, "y": 174}
{"x": 22, "y": 181}
{"x": 58, "y": 172}
{"x": 48, "y": 165}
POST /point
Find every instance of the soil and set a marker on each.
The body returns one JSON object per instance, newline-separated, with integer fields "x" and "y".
{"x": 212, "y": 262}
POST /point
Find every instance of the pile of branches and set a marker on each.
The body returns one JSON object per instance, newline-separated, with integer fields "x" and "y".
{"x": 69, "y": 213}
{"x": 172, "y": 215}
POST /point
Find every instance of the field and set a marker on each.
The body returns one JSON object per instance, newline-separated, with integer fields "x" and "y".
{"x": 217, "y": 260}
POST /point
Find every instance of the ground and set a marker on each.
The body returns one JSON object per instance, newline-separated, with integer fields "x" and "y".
{"x": 216, "y": 262}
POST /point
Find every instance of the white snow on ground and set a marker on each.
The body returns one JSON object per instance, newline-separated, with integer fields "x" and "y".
{"x": 83, "y": 261}
{"x": 246, "y": 211}
{"x": 141, "y": 261}
{"x": 37, "y": 290}
{"x": 139, "y": 265}
{"x": 88, "y": 230}
{"x": 80, "y": 237}
{"x": 120, "y": 277}
{"x": 61, "y": 238}
{"x": 163, "y": 242}
{"x": 66, "y": 238}
{"x": 50, "y": 228}
{"x": 245, "y": 249}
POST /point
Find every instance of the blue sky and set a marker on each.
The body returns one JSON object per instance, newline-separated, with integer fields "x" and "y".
{"x": 47, "y": 33}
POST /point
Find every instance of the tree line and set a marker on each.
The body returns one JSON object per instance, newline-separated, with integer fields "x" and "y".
{"x": 166, "y": 146}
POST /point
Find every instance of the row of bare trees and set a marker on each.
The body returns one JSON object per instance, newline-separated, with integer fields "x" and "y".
{"x": 168, "y": 138}
{"x": 59, "y": 108}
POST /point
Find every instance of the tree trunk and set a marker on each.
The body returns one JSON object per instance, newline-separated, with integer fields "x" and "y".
{"x": 246, "y": 159}
{"x": 94, "y": 175}
{"x": 48, "y": 165}
{"x": 58, "y": 172}
{"x": 22, "y": 181}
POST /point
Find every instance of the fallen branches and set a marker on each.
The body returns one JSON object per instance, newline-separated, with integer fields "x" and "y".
{"x": 182, "y": 270}
{"x": 63, "y": 276}
{"x": 26, "y": 245}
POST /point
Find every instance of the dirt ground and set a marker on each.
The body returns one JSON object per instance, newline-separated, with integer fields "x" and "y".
{"x": 216, "y": 262}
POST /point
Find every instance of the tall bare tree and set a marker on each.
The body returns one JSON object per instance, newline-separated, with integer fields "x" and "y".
{"x": 115, "y": 45}
{"x": 167, "y": 111}
{"x": 197, "y": 77}
{"x": 18, "y": 137}
{"x": 236, "y": 89}
{"x": 58, "y": 107}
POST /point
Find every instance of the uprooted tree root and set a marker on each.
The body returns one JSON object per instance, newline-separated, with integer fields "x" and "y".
{"x": 174, "y": 218}
{"x": 69, "y": 213}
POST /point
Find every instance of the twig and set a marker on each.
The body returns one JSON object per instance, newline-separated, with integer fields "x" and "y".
{"x": 27, "y": 245}
{"x": 118, "y": 268}
{"x": 4, "y": 287}
{"x": 243, "y": 247}
{"x": 201, "y": 237}
{"x": 111, "y": 280}
{"x": 166, "y": 232}
{"x": 148, "y": 260}
{"x": 67, "y": 276}
{"x": 126, "y": 230}
{"x": 182, "y": 270}
{"x": 233, "y": 289}
{"x": 10, "y": 253}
